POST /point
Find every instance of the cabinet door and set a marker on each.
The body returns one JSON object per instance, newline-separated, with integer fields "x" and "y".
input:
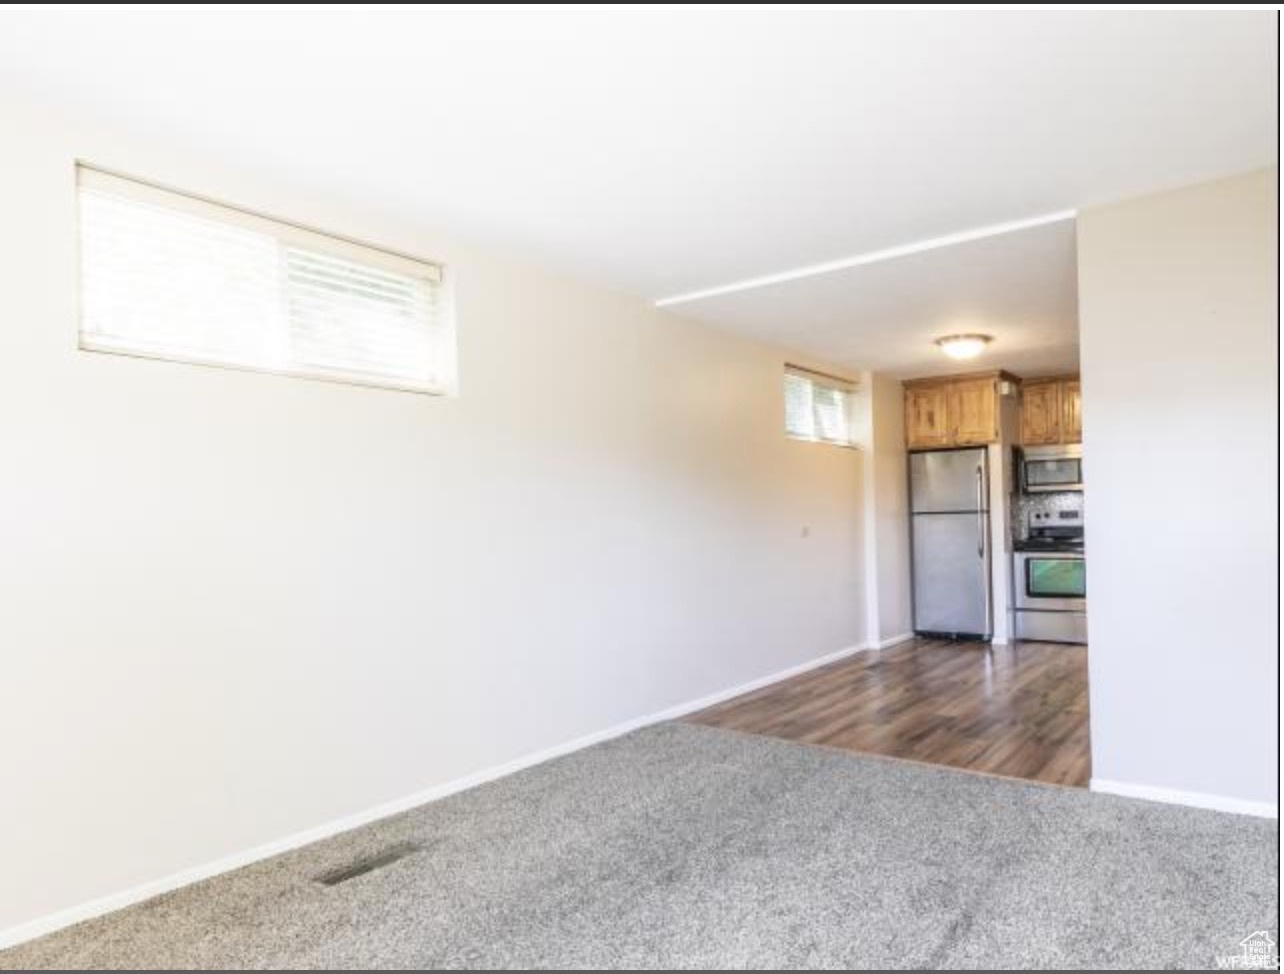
{"x": 927, "y": 417}
{"x": 1040, "y": 413}
{"x": 1071, "y": 412}
{"x": 974, "y": 414}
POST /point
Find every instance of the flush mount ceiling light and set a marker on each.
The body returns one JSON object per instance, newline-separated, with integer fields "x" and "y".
{"x": 963, "y": 346}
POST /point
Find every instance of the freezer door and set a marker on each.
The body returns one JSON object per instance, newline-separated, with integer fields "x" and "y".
{"x": 948, "y": 480}
{"x": 951, "y": 574}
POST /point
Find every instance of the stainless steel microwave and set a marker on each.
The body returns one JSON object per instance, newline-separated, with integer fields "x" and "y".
{"x": 1045, "y": 469}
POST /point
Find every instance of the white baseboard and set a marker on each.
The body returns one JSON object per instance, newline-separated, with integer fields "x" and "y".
{"x": 713, "y": 699}
{"x": 896, "y": 640}
{"x": 1195, "y": 799}
{"x": 185, "y": 877}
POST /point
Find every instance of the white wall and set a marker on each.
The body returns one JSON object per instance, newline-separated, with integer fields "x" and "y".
{"x": 1179, "y": 363}
{"x": 887, "y": 553}
{"x": 235, "y": 606}
{"x": 1001, "y": 482}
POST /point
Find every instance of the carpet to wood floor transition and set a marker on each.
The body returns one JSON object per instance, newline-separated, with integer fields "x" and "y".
{"x": 689, "y": 846}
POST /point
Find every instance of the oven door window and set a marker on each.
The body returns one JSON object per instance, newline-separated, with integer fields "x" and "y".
{"x": 1053, "y": 473}
{"x": 1055, "y": 578}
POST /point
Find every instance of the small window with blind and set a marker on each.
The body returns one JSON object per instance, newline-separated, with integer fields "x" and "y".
{"x": 818, "y": 407}
{"x": 170, "y": 276}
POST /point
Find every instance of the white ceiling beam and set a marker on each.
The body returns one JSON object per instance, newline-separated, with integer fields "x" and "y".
{"x": 870, "y": 257}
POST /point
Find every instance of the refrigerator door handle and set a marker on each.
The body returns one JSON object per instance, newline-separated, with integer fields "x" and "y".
{"x": 980, "y": 513}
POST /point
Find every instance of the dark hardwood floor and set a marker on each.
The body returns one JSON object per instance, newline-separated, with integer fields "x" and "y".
{"x": 1019, "y": 710}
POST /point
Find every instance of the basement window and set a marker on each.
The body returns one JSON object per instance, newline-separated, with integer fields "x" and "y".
{"x": 170, "y": 276}
{"x": 818, "y": 407}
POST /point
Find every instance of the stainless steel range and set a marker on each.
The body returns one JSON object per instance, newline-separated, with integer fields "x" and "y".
{"x": 1050, "y": 577}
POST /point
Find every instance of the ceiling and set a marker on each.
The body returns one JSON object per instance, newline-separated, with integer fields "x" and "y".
{"x": 662, "y": 151}
{"x": 1019, "y": 287}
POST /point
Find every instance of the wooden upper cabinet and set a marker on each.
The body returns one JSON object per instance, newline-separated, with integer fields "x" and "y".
{"x": 1050, "y": 411}
{"x": 958, "y": 410}
{"x": 963, "y": 410}
{"x": 927, "y": 422}
{"x": 1071, "y": 412}
{"x": 974, "y": 411}
{"x": 1041, "y": 413}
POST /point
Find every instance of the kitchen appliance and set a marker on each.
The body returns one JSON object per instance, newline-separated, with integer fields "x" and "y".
{"x": 950, "y": 541}
{"x": 1045, "y": 469}
{"x": 1049, "y": 578}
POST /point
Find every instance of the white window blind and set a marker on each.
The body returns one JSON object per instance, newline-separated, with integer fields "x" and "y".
{"x": 165, "y": 275}
{"x": 818, "y": 407}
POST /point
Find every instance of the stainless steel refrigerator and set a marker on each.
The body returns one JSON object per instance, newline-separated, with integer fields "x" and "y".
{"x": 950, "y": 539}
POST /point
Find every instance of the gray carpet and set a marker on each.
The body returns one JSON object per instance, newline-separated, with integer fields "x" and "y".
{"x": 686, "y": 846}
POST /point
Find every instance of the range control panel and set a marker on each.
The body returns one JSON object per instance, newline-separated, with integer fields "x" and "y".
{"x": 1049, "y": 519}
